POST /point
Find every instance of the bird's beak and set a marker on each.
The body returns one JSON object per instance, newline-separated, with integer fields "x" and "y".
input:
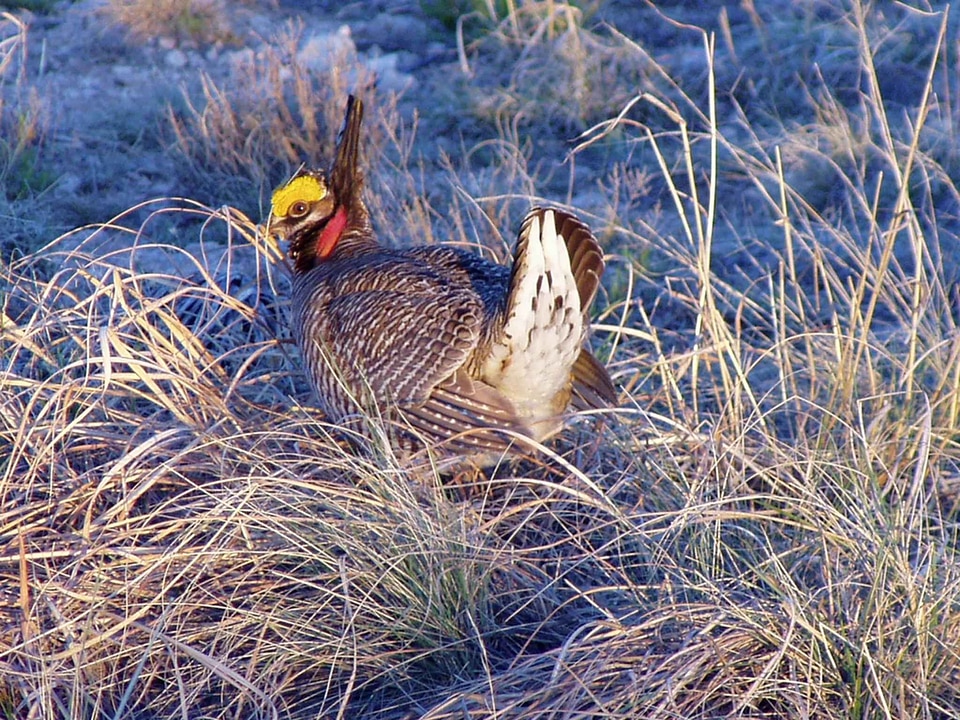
{"x": 269, "y": 241}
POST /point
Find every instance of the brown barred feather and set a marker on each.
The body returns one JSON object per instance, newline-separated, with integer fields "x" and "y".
{"x": 592, "y": 387}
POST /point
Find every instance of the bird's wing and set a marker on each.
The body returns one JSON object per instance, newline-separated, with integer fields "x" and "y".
{"x": 466, "y": 414}
{"x": 408, "y": 350}
{"x": 586, "y": 256}
{"x": 592, "y": 386}
{"x": 399, "y": 344}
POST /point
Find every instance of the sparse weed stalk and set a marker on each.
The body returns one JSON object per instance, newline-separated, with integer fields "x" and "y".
{"x": 23, "y": 117}
{"x": 24, "y": 128}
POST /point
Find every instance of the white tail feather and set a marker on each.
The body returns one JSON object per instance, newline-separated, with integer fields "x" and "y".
{"x": 532, "y": 359}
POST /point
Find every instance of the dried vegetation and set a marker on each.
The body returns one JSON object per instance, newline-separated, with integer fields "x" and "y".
{"x": 767, "y": 527}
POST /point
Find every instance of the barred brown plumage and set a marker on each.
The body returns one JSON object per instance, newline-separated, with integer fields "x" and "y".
{"x": 457, "y": 352}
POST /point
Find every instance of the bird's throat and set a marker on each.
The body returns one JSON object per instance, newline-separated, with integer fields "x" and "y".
{"x": 331, "y": 233}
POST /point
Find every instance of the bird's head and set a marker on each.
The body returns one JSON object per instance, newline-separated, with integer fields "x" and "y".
{"x": 318, "y": 212}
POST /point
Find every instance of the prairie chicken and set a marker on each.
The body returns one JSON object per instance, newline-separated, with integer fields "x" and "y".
{"x": 449, "y": 347}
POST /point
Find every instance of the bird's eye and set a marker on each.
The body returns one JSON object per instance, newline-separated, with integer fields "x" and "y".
{"x": 299, "y": 209}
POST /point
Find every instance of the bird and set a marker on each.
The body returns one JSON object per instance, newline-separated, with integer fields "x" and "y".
{"x": 461, "y": 354}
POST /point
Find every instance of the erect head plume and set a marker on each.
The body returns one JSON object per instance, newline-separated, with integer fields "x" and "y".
{"x": 345, "y": 175}
{"x": 315, "y": 211}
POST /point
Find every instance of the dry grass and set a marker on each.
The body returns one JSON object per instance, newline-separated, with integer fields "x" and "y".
{"x": 766, "y": 528}
{"x": 194, "y": 20}
{"x": 562, "y": 72}
{"x": 242, "y": 137}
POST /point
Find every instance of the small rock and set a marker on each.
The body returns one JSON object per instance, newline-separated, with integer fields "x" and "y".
{"x": 407, "y": 61}
{"x": 322, "y": 52}
{"x": 175, "y": 58}
{"x": 436, "y": 48}
{"x": 69, "y": 183}
{"x": 388, "y": 77}
{"x": 124, "y": 74}
{"x": 166, "y": 43}
{"x": 394, "y": 31}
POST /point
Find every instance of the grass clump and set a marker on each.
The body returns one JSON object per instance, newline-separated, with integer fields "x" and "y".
{"x": 21, "y": 111}
{"x": 766, "y": 527}
{"x": 24, "y": 125}
{"x": 449, "y": 13}
{"x": 562, "y": 71}
{"x": 477, "y": 17}
{"x": 240, "y": 139}
{"x": 203, "y": 21}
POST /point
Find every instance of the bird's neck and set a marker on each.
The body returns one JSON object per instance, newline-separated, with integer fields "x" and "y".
{"x": 355, "y": 240}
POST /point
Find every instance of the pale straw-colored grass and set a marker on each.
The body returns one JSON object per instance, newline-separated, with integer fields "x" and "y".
{"x": 767, "y": 527}
{"x": 274, "y": 112}
{"x": 182, "y": 20}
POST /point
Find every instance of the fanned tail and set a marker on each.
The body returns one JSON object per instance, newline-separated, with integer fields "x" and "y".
{"x": 592, "y": 386}
{"x": 586, "y": 257}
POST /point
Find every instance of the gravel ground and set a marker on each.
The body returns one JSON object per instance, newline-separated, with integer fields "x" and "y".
{"x": 103, "y": 94}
